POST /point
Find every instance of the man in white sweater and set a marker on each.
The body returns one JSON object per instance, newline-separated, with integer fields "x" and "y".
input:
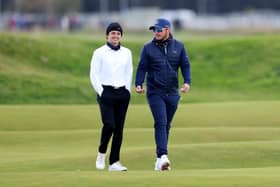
{"x": 111, "y": 75}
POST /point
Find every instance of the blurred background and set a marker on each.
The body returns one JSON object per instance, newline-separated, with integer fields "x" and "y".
{"x": 64, "y": 15}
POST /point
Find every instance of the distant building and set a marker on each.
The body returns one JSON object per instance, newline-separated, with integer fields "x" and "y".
{"x": 199, "y": 6}
{"x": 94, "y": 6}
{"x": 7, "y": 5}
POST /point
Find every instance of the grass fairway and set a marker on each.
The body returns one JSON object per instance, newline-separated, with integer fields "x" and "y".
{"x": 211, "y": 145}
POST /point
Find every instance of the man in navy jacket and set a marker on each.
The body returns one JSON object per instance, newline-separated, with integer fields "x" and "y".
{"x": 160, "y": 60}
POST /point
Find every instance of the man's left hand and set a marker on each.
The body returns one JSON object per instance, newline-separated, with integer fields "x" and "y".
{"x": 185, "y": 88}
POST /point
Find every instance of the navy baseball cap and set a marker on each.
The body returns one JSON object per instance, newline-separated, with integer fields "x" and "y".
{"x": 160, "y": 24}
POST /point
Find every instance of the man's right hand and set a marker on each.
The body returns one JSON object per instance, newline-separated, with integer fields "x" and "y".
{"x": 139, "y": 89}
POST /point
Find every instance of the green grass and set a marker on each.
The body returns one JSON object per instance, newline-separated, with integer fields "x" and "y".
{"x": 54, "y": 68}
{"x": 52, "y": 117}
{"x": 230, "y": 144}
{"x": 227, "y": 135}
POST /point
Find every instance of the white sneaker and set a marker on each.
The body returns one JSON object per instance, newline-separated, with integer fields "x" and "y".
{"x": 164, "y": 163}
{"x": 157, "y": 165}
{"x": 117, "y": 166}
{"x": 100, "y": 161}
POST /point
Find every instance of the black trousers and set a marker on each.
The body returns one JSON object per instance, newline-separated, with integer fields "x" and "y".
{"x": 113, "y": 105}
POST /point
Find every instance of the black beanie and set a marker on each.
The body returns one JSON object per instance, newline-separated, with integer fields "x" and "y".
{"x": 114, "y": 27}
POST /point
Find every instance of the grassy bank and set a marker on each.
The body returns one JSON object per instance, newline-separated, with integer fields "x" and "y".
{"x": 53, "y": 69}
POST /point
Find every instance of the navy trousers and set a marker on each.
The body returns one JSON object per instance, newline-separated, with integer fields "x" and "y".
{"x": 113, "y": 107}
{"x": 163, "y": 108}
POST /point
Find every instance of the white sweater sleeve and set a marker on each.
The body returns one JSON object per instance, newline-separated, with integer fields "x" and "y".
{"x": 129, "y": 70}
{"x": 95, "y": 68}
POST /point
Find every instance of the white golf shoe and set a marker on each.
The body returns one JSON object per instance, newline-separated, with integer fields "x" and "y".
{"x": 100, "y": 161}
{"x": 157, "y": 165}
{"x": 164, "y": 163}
{"x": 117, "y": 166}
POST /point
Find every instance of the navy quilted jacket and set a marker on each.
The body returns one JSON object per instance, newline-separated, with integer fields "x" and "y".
{"x": 161, "y": 61}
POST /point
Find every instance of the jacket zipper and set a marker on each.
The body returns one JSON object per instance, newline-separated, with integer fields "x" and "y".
{"x": 166, "y": 68}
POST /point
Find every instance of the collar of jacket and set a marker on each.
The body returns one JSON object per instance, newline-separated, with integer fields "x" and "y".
{"x": 163, "y": 42}
{"x": 115, "y": 48}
